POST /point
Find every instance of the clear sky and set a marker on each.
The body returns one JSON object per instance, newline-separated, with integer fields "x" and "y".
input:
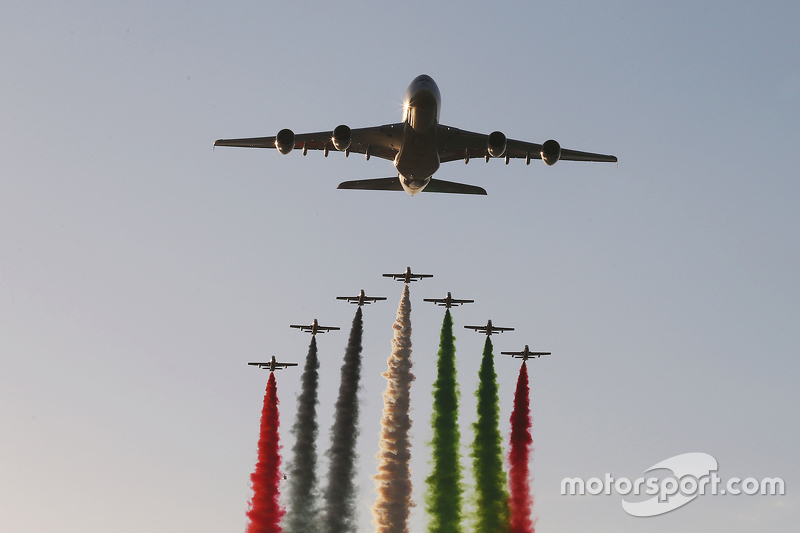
{"x": 140, "y": 270}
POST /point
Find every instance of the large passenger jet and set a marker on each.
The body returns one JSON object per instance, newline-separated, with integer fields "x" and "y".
{"x": 417, "y": 146}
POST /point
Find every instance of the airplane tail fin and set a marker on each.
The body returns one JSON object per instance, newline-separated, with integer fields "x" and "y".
{"x": 393, "y": 184}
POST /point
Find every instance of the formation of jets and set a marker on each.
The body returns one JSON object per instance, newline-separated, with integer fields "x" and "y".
{"x": 448, "y": 301}
{"x": 273, "y": 365}
{"x": 417, "y": 146}
{"x": 525, "y": 354}
{"x": 488, "y": 329}
{"x": 361, "y": 299}
{"x": 408, "y": 276}
{"x": 314, "y": 328}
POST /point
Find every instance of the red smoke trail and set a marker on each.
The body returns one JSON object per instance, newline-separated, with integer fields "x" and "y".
{"x": 520, "y": 501}
{"x": 265, "y": 512}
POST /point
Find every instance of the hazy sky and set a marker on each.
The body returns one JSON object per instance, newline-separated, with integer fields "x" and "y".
{"x": 140, "y": 270}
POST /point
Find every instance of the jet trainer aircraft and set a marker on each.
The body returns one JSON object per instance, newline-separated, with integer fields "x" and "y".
{"x": 407, "y": 276}
{"x": 273, "y": 365}
{"x": 488, "y": 329}
{"x": 417, "y": 146}
{"x": 361, "y": 299}
{"x": 314, "y": 328}
{"x": 525, "y": 354}
{"x": 448, "y": 301}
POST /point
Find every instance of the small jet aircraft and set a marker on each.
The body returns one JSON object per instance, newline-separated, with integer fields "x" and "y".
{"x": 488, "y": 329}
{"x": 314, "y": 328}
{"x": 448, "y": 301}
{"x": 525, "y": 354}
{"x": 273, "y": 365}
{"x": 408, "y": 276}
{"x": 417, "y": 146}
{"x": 361, "y": 299}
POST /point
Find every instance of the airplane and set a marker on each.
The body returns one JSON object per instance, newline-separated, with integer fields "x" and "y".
{"x": 417, "y": 146}
{"x": 489, "y": 328}
{"x": 314, "y": 328}
{"x": 361, "y": 299}
{"x": 408, "y": 276}
{"x": 448, "y": 301}
{"x": 525, "y": 354}
{"x": 273, "y": 365}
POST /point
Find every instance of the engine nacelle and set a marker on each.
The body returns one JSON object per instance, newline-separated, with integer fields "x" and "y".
{"x": 284, "y": 141}
{"x": 341, "y": 138}
{"x": 496, "y": 144}
{"x": 551, "y": 151}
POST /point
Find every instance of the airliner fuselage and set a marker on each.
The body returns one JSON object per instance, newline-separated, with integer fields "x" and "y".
{"x": 418, "y": 158}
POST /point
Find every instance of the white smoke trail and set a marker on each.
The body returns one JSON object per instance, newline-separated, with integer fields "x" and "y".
{"x": 393, "y": 481}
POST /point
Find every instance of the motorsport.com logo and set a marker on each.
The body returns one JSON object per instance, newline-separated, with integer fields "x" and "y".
{"x": 694, "y": 474}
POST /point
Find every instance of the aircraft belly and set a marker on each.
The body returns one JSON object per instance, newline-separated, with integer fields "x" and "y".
{"x": 418, "y": 157}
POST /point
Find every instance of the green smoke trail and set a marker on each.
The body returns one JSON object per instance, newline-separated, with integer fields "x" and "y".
{"x": 444, "y": 488}
{"x": 491, "y": 502}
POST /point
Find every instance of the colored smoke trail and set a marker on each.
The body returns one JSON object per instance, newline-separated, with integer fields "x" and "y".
{"x": 393, "y": 481}
{"x": 521, "y": 500}
{"x": 444, "y": 492}
{"x": 302, "y": 513}
{"x": 265, "y": 511}
{"x": 340, "y": 495}
{"x": 491, "y": 505}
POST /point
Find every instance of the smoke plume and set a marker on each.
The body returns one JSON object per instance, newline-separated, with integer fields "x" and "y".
{"x": 340, "y": 495}
{"x": 393, "y": 481}
{"x": 444, "y": 492}
{"x": 265, "y": 511}
{"x": 521, "y": 500}
{"x": 491, "y": 505}
{"x": 302, "y": 515}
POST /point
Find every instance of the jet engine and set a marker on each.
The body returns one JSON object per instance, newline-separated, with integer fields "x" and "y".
{"x": 341, "y": 138}
{"x": 496, "y": 144}
{"x": 284, "y": 141}
{"x": 551, "y": 151}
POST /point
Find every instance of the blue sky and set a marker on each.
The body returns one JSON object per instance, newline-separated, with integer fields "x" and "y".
{"x": 140, "y": 270}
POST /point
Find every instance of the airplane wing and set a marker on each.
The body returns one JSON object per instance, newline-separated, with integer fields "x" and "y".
{"x": 477, "y": 328}
{"x": 303, "y": 328}
{"x": 443, "y": 301}
{"x": 497, "y": 328}
{"x": 327, "y": 328}
{"x": 278, "y": 366}
{"x": 367, "y": 299}
{"x": 381, "y": 141}
{"x": 411, "y": 276}
{"x": 458, "y": 144}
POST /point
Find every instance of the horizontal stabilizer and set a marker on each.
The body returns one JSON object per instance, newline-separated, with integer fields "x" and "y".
{"x": 377, "y": 184}
{"x": 393, "y": 184}
{"x": 453, "y": 188}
